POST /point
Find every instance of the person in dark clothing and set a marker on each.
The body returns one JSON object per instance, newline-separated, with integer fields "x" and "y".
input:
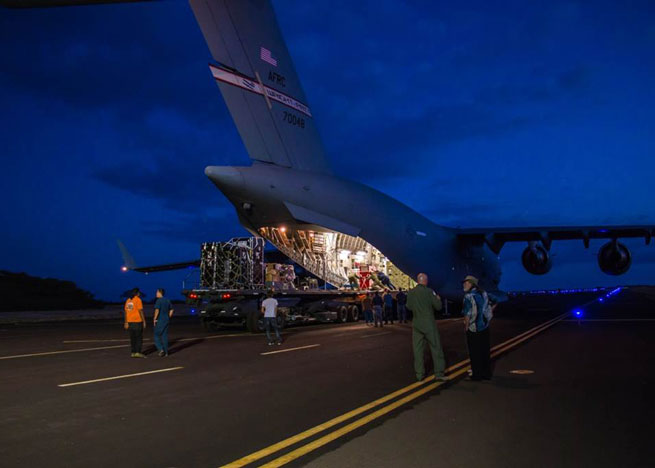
{"x": 163, "y": 313}
{"x": 377, "y": 308}
{"x": 367, "y": 307}
{"x": 401, "y": 306}
{"x": 478, "y": 310}
{"x": 388, "y": 307}
{"x": 385, "y": 280}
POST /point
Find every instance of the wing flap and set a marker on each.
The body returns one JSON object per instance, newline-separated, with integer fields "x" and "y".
{"x": 496, "y": 238}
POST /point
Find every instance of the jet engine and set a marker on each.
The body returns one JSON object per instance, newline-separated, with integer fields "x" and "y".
{"x": 536, "y": 259}
{"x": 614, "y": 258}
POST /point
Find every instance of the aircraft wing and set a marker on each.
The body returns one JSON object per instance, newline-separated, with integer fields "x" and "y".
{"x": 167, "y": 267}
{"x": 130, "y": 265}
{"x": 496, "y": 238}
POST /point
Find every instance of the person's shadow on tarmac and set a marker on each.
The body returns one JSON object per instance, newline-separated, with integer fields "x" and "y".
{"x": 175, "y": 346}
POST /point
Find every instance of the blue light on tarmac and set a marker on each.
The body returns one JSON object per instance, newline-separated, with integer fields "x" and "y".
{"x": 577, "y": 313}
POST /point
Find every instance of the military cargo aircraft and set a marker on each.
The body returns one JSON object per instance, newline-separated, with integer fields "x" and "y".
{"x": 333, "y": 226}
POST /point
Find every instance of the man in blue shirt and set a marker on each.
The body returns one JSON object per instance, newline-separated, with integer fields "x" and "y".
{"x": 163, "y": 314}
{"x": 388, "y": 307}
{"x": 377, "y": 309}
{"x": 477, "y": 311}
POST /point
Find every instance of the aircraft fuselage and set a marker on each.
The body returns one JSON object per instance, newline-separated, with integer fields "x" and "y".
{"x": 267, "y": 195}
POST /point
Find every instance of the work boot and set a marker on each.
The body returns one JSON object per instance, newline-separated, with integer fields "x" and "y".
{"x": 139, "y": 355}
{"x": 133, "y": 355}
{"x": 441, "y": 378}
{"x": 161, "y": 353}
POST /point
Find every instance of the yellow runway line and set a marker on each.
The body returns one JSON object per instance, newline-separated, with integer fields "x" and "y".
{"x": 305, "y": 449}
{"x": 462, "y": 366}
{"x": 320, "y": 428}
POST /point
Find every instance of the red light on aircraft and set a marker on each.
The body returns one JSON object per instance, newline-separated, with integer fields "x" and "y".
{"x": 227, "y": 296}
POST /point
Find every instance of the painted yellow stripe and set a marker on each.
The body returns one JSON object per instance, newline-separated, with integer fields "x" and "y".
{"x": 305, "y": 449}
{"x": 49, "y": 353}
{"x": 290, "y": 349}
{"x": 537, "y": 329}
{"x": 351, "y": 414}
{"x": 119, "y": 377}
{"x": 320, "y": 428}
{"x": 515, "y": 343}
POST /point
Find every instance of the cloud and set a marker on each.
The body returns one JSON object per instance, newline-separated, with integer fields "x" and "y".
{"x": 415, "y": 138}
{"x": 122, "y": 57}
{"x": 216, "y": 224}
{"x": 178, "y": 183}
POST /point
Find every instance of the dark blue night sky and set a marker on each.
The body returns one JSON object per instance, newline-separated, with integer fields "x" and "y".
{"x": 473, "y": 113}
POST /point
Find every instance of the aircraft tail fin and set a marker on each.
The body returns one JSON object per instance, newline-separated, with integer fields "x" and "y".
{"x": 258, "y": 81}
{"x": 128, "y": 260}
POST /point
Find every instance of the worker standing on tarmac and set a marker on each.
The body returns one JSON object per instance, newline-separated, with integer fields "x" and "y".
{"x": 478, "y": 310}
{"x": 424, "y": 302}
{"x": 135, "y": 322}
{"x": 401, "y": 303}
{"x": 388, "y": 307}
{"x": 163, "y": 314}
{"x": 367, "y": 307}
{"x": 269, "y": 309}
{"x": 377, "y": 308}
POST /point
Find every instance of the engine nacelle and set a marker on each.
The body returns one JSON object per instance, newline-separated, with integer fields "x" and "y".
{"x": 614, "y": 258}
{"x": 536, "y": 259}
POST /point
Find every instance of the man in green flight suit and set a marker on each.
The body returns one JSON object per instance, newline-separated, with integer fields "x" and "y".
{"x": 423, "y": 302}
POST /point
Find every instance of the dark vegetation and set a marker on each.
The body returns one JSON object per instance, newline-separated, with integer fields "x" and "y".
{"x": 20, "y": 291}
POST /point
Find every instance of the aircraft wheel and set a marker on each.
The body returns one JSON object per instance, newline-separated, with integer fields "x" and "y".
{"x": 255, "y": 322}
{"x": 353, "y": 314}
{"x": 281, "y": 321}
{"x": 342, "y": 314}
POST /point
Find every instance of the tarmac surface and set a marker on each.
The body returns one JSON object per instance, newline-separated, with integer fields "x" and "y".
{"x": 69, "y": 396}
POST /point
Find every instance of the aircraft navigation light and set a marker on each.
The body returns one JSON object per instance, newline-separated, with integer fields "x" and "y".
{"x": 123, "y": 268}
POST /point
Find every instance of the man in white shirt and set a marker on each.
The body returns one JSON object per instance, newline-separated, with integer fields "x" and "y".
{"x": 269, "y": 309}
